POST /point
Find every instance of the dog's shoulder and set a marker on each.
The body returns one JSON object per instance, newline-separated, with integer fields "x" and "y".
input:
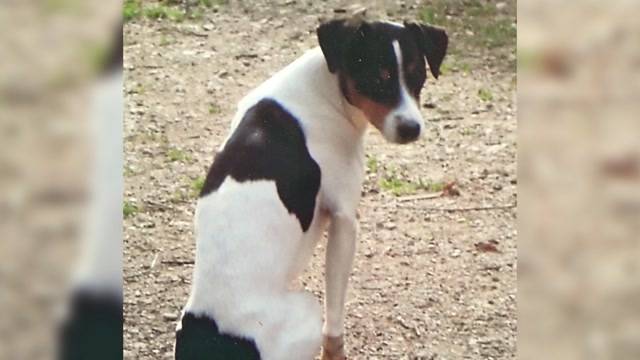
{"x": 269, "y": 144}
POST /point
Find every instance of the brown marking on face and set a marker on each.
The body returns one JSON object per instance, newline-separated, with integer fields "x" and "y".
{"x": 375, "y": 112}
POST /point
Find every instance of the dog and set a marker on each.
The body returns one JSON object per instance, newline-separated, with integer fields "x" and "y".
{"x": 292, "y": 167}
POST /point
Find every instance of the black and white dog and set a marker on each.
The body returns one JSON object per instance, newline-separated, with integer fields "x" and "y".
{"x": 292, "y": 166}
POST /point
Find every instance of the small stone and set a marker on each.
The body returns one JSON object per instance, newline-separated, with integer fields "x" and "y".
{"x": 170, "y": 316}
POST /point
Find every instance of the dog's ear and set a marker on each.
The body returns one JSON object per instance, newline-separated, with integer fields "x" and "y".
{"x": 336, "y": 36}
{"x": 433, "y": 42}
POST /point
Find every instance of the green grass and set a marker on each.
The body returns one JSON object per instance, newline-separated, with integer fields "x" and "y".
{"x": 501, "y": 33}
{"x": 196, "y": 185}
{"x": 485, "y": 95}
{"x": 372, "y": 165}
{"x": 177, "y": 155}
{"x": 399, "y": 187}
{"x": 475, "y": 26}
{"x": 129, "y": 209}
{"x": 172, "y": 10}
{"x": 163, "y": 12}
{"x": 214, "y": 109}
{"x": 212, "y": 3}
{"x": 131, "y": 9}
{"x": 453, "y": 64}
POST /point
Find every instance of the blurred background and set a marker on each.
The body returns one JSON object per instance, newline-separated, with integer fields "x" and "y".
{"x": 579, "y": 180}
{"x": 52, "y": 55}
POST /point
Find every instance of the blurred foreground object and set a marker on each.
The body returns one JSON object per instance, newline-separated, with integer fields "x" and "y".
{"x": 93, "y": 327}
{"x": 579, "y": 185}
{"x": 51, "y": 52}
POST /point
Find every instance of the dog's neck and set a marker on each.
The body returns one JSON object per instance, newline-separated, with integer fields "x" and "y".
{"x": 307, "y": 85}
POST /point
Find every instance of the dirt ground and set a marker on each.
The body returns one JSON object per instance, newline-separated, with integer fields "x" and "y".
{"x": 434, "y": 276}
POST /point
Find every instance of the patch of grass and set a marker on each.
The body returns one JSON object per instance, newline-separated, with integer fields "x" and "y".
{"x": 196, "y": 14}
{"x": 372, "y": 165}
{"x": 399, "y": 187}
{"x": 165, "y": 40}
{"x": 129, "y": 209}
{"x": 163, "y": 12}
{"x": 131, "y": 9}
{"x": 179, "y": 196}
{"x": 212, "y": 3}
{"x": 475, "y": 26}
{"x": 214, "y": 109}
{"x": 196, "y": 185}
{"x": 429, "y": 15}
{"x": 465, "y": 67}
{"x": 499, "y": 33}
{"x": 453, "y": 64}
{"x": 172, "y": 10}
{"x": 485, "y": 94}
{"x": 177, "y": 155}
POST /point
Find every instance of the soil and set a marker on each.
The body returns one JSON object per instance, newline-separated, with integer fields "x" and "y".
{"x": 434, "y": 276}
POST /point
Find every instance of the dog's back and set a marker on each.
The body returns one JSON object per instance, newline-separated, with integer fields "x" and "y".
{"x": 245, "y": 258}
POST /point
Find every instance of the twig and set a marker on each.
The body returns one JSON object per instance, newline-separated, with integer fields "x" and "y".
{"x": 420, "y": 197}
{"x": 193, "y": 33}
{"x": 447, "y": 118}
{"x": 153, "y": 263}
{"x": 178, "y": 262}
{"x": 475, "y": 208}
{"x": 246, "y": 56}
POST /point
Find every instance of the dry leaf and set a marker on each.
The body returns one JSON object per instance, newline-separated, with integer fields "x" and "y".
{"x": 487, "y": 247}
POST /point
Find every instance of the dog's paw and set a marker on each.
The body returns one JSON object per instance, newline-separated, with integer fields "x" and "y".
{"x": 333, "y": 348}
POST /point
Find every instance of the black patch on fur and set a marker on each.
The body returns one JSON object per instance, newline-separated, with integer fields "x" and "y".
{"x": 363, "y": 52}
{"x": 200, "y": 339}
{"x": 93, "y": 329}
{"x": 269, "y": 144}
{"x": 433, "y": 43}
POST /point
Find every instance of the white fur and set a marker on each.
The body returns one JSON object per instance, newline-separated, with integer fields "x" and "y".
{"x": 249, "y": 247}
{"x": 407, "y": 108}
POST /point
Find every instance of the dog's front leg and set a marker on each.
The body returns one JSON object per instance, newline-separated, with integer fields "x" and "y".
{"x": 339, "y": 261}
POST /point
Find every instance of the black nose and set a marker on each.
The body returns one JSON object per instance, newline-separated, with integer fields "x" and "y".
{"x": 408, "y": 130}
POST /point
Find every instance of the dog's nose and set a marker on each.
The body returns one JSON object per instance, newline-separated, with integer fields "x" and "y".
{"x": 408, "y": 130}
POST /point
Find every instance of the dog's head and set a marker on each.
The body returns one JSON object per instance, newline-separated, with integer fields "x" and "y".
{"x": 382, "y": 69}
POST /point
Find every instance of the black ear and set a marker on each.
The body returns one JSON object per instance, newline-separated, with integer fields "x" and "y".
{"x": 433, "y": 42}
{"x": 334, "y": 38}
